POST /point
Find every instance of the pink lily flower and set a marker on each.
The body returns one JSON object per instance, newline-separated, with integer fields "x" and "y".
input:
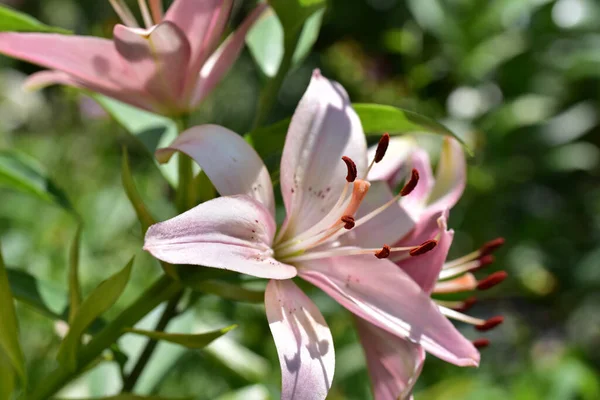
{"x": 168, "y": 67}
{"x": 394, "y": 364}
{"x": 322, "y": 196}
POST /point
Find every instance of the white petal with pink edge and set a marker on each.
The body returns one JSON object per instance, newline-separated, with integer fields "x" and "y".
{"x": 303, "y": 341}
{"x": 232, "y": 165}
{"x": 381, "y": 293}
{"x": 324, "y": 128}
{"x": 394, "y": 364}
{"x": 233, "y": 233}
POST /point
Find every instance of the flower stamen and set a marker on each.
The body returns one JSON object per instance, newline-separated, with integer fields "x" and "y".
{"x": 349, "y": 222}
{"x": 481, "y": 343}
{"x": 490, "y": 323}
{"x": 384, "y": 252}
{"x": 124, "y": 13}
{"x": 425, "y": 247}
{"x": 145, "y": 13}
{"x": 352, "y": 172}
{"x": 382, "y": 147}
{"x": 492, "y": 280}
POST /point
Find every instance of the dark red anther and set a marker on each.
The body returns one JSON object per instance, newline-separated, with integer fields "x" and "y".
{"x": 382, "y": 147}
{"x": 411, "y": 184}
{"x": 352, "y": 173}
{"x": 349, "y": 222}
{"x": 423, "y": 248}
{"x": 467, "y": 304}
{"x": 384, "y": 252}
{"x": 490, "y": 323}
{"x": 492, "y": 280}
{"x": 481, "y": 343}
{"x": 484, "y": 261}
{"x": 491, "y": 246}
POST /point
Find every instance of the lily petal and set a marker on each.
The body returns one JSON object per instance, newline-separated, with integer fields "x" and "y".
{"x": 396, "y": 156}
{"x": 394, "y": 364}
{"x": 323, "y": 129}
{"x": 451, "y": 175}
{"x": 233, "y": 233}
{"x": 416, "y": 201}
{"x": 157, "y": 56}
{"x": 91, "y": 61}
{"x": 232, "y": 165}
{"x": 303, "y": 341}
{"x": 203, "y": 23}
{"x": 388, "y": 227}
{"x": 425, "y": 269}
{"x": 221, "y": 61}
{"x": 381, "y": 293}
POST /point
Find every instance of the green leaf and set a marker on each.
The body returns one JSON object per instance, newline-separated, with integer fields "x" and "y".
{"x": 133, "y": 195}
{"x": 227, "y": 290}
{"x": 100, "y": 300}
{"x": 151, "y": 130}
{"x": 10, "y": 349}
{"x": 269, "y": 140}
{"x": 308, "y": 36}
{"x": 192, "y": 341}
{"x": 377, "y": 119}
{"x": 293, "y": 13}
{"x": 74, "y": 287}
{"x": 23, "y": 173}
{"x": 39, "y": 295}
{"x": 12, "y": 20}
{"x": 266, "y": 41}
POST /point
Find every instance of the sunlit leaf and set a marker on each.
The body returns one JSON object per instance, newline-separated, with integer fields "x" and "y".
{"x": 11, "y": 355}
{"x": 74, "y": 287}
{"x": 192, "y": 341}
{"x": 151, "y": 130}
{"x": 378, "y": 118}
{"x": 227, "y": 290}
{"x": 12, "y": 20}
{"x": 100, "y": 300}
{"x": 266, "y": 41}
{"x": 21, "y": 172}
{"x": 293, "y": 13}
{"x": 135, "y": 199}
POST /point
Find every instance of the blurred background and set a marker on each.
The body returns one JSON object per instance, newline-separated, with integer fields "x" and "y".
{"x": 519, "y": 79}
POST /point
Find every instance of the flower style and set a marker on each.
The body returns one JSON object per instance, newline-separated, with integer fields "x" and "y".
{"x": 169, "y": 67}
{"x": 323, "y": 240}
{"x": 394, "y": 363}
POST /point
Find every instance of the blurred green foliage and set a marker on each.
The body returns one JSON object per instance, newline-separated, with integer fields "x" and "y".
{"x": 519, "y": 79}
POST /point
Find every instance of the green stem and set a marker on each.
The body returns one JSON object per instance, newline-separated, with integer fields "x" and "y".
{"x": 268, "y": 96}
{"x": 169, "y": 312}
{"x": 163, "y": 289}
{"x": 185, "y": 197}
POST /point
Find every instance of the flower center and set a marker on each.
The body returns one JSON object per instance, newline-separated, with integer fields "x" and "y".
{"x": 340, "y": 219}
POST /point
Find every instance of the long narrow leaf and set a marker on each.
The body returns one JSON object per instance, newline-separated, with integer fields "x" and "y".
{"x": 12, "y": 20}
{"x": 21, "y": 172}
{"x": 100, "y": 300}
{"x": 9, "y": 331}
{"x": 192, "y": 341}
{"x": 133, "y": 195}
{"x": 74, "y": 287}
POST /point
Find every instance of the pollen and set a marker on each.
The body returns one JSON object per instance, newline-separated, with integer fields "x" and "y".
{"x": 481, "y": 343}
{"x": 490, "y": 323}
{"x": 349, "y": 222}
{"x": 491, "y": 246}
{"x": 382, "y": 147}
{"x": 384, "y": 252}
{"x": 411, "y": 184}
{"x": 492, "y": 280}
{"x": 423, "y": 248}
{"x": 352, "y": 172}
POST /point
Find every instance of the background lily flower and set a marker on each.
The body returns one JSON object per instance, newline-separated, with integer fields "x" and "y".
{"x": 394, "y": 364}
{"x": 322, "y": 196}
{"x": 434, "y": 193}
{"x": 168, "y": 67}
